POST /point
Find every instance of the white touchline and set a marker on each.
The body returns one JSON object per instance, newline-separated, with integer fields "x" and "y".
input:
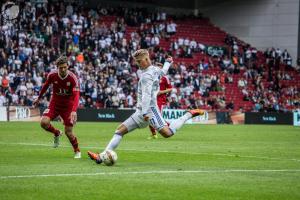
{"x": 153, "y": 172}
{"x": 163, "y": 151}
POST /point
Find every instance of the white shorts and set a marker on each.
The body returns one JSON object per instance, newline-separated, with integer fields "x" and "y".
{"x": 136, "y": 120}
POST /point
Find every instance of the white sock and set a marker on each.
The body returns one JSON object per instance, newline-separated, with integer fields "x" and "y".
{"x": 114, "y": 142}
{"x": 178, "y": 123}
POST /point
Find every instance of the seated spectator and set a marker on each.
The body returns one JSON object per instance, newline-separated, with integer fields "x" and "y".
{"x": 242, "y": 83}
{"x": 230, "y": 106}
{"x": 180, "y": 42}
{"x": 193, "y": 44}
{"x": 201, "y": 47}
{"x": 245, "y": 94}
{"x": 221, "y": 103}
{"x": 174, "y": 104}
{"x": 225, "y": 63}
{"x": 173, "y": 28}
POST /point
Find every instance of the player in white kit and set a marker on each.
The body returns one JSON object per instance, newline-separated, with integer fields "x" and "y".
{"x": 147, "y": 111}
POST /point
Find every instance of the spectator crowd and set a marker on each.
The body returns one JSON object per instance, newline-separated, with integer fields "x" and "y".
{"x": 99, "y": 47}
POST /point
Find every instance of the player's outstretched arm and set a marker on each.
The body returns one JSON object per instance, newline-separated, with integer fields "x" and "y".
{"x": 167, "y": 65}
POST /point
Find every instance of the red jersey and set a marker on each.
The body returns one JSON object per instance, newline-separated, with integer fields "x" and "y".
{"x": 163, "y": 84}
{"x": 65, "y": 91}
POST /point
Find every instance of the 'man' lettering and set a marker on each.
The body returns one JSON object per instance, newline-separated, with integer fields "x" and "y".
{"x": 179, "y": 114}
{"x": 166, "y": 115}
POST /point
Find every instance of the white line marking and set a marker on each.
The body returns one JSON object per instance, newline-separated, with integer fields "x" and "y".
{"x": 164, "y": 151}
{"x": 153, "y": 172}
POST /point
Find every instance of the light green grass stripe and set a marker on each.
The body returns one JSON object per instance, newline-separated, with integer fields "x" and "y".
{"x": 163, "y": 151}
{"x": 154, "y": 172}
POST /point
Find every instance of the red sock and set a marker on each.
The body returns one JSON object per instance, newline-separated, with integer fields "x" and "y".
{"x": 152, "y": 130}
{"x": 74, "y": 143}
{"x": 53, "y": 130}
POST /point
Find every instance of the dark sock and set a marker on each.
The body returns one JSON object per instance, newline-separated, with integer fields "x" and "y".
{"x": 52, "y": 130}
{"x": 74, "y": 143}
{"x": 153, "y": 132}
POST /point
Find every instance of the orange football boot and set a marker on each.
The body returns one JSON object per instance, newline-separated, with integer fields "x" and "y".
{"x": 196, "y": 112}
{"x": 95, "y": 157}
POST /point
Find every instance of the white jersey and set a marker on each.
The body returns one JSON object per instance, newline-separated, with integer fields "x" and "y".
{"x": 148, "y": 87}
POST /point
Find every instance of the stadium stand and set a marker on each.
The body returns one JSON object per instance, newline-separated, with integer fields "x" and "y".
{"x": 213, "y": 70}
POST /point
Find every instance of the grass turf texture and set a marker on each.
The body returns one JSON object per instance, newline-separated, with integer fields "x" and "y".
{"x": 200, "y": 162}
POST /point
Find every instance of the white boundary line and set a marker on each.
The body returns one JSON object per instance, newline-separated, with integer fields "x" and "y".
{"x": 153, "y": 172}
{"x": 163, "y": 151}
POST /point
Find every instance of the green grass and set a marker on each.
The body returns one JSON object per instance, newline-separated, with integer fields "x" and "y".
{"x": 200, "y": 162}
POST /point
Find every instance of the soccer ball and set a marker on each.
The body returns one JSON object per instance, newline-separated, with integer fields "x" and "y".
{"x": 108, "y": 157}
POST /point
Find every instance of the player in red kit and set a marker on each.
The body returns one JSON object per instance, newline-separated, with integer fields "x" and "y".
{"x": 165, "y": 88}
{"x": 64, "y": 102}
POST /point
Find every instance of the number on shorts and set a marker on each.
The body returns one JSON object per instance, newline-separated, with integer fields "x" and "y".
{"x": 152, "y": 121}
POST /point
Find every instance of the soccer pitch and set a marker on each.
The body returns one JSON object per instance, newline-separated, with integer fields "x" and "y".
{"x": 199, "y": 162}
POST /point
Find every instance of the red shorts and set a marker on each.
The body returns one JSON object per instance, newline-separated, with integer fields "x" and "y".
{"x": 52, "y": 112}
{"x": 160, "y": 106}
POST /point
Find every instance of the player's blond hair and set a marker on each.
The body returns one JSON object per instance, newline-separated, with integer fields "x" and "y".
{"x": 140, "y": 54}
{"x": 61, "y": 60}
